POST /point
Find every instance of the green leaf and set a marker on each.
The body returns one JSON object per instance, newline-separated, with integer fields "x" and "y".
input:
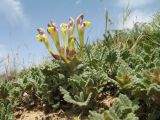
{"x": 95, "y": 116}
{"x": 69, "y": 99}
{"x": 111, "y": 57}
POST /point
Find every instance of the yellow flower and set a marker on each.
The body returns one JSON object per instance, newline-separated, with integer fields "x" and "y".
{"x": 71, "y": 27}
{"x": 42, "y": 37}
{"x": 72, "y": 43}
{"x": 81, "y": 25}
{"x": 86, "y": 23}
{"x": 53, "y": 31}
{"x": 39, "y": 38}
{"x": 63, "y": 27}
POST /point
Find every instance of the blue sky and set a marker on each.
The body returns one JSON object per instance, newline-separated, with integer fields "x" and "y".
{"x": 19, "y": 20}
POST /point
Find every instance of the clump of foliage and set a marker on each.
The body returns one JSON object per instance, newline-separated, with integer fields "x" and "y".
{"x": 6, "y": 103}
{"x": 6, "y": 111}
{"x": 84, "y": 88}
{"x": 122, "y": 108}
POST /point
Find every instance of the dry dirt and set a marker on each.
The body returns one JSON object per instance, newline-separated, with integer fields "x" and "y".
{"x": 39, "y": 115}
{"x": 23, "y": 114}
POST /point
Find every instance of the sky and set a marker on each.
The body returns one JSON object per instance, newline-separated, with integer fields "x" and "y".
{"x": 19, "y": 20}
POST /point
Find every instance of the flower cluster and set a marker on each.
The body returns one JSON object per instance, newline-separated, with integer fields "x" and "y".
{"x": 68, "y": 51}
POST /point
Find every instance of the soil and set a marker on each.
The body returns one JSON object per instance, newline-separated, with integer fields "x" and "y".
{"x": 31, "y": 115}
{"x": 39, "y": 115}
{"x": 22, "y": 113}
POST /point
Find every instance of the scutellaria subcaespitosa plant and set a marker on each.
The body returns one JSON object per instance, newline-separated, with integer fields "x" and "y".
{"x": 68, "y": 51}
